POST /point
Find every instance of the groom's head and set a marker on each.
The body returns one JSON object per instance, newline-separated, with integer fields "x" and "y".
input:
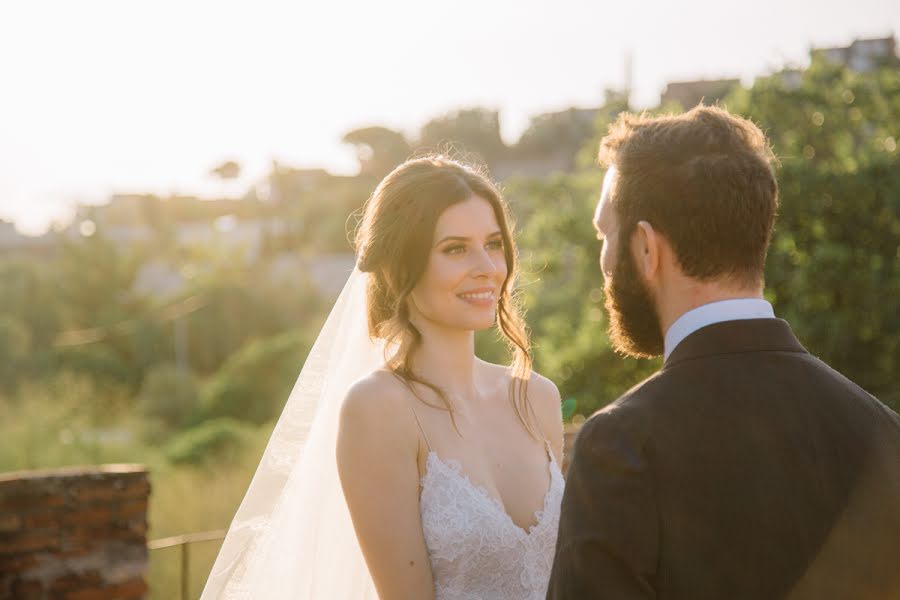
{"x": 686, "y": 213}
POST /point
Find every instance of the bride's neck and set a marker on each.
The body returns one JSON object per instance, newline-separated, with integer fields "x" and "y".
{"x": 446, "y": 358}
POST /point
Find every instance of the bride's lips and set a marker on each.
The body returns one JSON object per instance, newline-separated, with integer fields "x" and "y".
{"x": 481, "y": 297}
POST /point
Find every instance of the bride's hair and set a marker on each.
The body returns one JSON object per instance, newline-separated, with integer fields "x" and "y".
{"x": 393, "y": 244}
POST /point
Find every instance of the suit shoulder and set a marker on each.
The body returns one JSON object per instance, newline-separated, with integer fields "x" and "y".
{"x": 635, "y": 400}
{"x": 631, "y": 413}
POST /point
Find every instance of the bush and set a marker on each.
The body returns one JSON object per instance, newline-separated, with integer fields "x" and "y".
{"x": 220, "y": 439}
{"x": 833, "y": 269}
{"x": 169, "y": 394}
{"x": 255, "y": 382}
{"x": 15, "y": 342}
{"x": 68, "y": 419}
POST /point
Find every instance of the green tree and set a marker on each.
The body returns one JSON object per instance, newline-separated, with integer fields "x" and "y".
{"x": 470, "y": 130}
{"x": 108, "y": 331}
{"x": 563, "y": 290}
{"x": 833, "y": 270}
{"x": 169, "y": 394}
{"x": 378, "y": 149}
{"x": 833, "y": 120}
{"x": 833, "y": 265}
{"x": 27, "y": 295}
{"x": 219, "y": 440}
{"x": 254, "y": 384}
{"x": 15, "y": 345}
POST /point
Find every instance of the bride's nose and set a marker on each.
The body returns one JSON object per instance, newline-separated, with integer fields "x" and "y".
{"x": 483, "y": 264}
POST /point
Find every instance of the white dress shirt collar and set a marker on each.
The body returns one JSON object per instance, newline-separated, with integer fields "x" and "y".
{"x": 715, "y": 312}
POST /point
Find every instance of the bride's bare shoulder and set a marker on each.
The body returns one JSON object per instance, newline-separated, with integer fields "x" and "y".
{"x": 542, "y": 390}
{"x": 543, "y": 396}
{"x": 377, "y": 401}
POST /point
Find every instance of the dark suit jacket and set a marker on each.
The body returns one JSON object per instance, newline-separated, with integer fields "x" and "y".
{"x": 744, "y": 469}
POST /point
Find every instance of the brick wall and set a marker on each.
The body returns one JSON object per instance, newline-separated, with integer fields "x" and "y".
{"x": 74, "y": 534}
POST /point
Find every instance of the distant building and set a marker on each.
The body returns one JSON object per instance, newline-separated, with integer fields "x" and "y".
{"x": 862, "y": 55}
{"x": 121, "y": 209}
{"x": 549, "y": 145}
{"x": 538, "y": 166}
{"x": 326, "y": 272}
{"x": 790, "y": 78}
{"x": 286, "y": 184}
{"x": 159, "y": 279}
{"x": 13, "y": 243}
{"x": 691, "y": 93}
{"x": 227, "y": 232}
{"x": 9, "y": 237}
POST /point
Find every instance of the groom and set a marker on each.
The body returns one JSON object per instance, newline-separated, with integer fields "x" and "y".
{"x": 745, "y": 468}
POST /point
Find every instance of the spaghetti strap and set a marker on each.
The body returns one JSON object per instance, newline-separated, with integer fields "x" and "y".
{"x": 422, "y": 429}
{"x": 547, "y": 445}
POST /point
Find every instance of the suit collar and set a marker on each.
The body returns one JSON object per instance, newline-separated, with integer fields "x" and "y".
{"x": 729, "y": 337}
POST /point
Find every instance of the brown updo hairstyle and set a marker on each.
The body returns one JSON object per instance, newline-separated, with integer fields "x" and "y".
{"x": 393, "y": 244}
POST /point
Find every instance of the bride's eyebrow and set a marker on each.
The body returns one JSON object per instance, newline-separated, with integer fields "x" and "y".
{"x": 452, "y": 238}
{"x": 460, "y": 238}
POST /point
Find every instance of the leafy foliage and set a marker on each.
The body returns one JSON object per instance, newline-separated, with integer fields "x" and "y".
{"x": 254, "y": 384}
{"x": 379, "y": 149}
{"x": 220, "y": 439}
{"x": 169, "y": 394}
{"x": 470, "y": 130}
{"x": 832, "y": 270}
{"x": 563, "y": 291}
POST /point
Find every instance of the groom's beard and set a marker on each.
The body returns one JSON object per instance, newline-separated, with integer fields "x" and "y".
{"x": 633, "y": 323}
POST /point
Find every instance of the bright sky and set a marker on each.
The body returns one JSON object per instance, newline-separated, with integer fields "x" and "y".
{"x": 148, "y": 95}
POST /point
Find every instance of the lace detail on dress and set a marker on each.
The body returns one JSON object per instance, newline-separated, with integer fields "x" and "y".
{"x": 477, "y": 551}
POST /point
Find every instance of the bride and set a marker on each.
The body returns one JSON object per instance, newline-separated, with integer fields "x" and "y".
{"x": 403, "y": 466}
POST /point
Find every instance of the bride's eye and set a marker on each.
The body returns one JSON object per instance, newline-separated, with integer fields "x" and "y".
{"x": 495, "y": 245}
{"x": 455, "y": 249}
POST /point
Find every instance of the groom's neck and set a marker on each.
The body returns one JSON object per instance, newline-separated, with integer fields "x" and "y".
{"x": 684, "y": 294}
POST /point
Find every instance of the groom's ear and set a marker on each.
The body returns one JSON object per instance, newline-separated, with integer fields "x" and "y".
{"x": 646, "y": 250}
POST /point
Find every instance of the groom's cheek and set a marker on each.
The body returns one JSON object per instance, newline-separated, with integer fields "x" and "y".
{"x": 607, "y": 258}
{"x": 603, "y": 251}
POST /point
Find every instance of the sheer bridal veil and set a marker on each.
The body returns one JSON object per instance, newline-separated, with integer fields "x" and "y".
{"x": 292, "y": 537}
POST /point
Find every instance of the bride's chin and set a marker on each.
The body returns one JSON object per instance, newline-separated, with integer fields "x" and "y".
{"x": 473, "y": 326}
{"x": 487, "y": 324}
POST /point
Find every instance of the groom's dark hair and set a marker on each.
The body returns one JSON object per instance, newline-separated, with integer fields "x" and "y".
{"x": 704, "y": 179}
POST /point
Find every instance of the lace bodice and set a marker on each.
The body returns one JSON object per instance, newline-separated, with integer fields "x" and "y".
{"x": 477, "y": 552}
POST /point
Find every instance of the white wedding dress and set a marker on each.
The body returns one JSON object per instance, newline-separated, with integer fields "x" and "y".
{"x": 292, "y": 537}
{"x": 477, "y": 551}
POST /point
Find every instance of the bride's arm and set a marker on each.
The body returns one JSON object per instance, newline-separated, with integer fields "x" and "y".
{"x": 377, "y": 460}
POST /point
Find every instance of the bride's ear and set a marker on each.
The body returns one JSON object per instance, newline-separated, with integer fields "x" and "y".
{"x": 645, "y": 248}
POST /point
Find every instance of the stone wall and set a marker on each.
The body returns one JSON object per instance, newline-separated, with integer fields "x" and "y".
{"x": 74, "y": 534}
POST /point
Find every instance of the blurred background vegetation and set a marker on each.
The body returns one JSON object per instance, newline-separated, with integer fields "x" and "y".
{"x": 169, "y": 331}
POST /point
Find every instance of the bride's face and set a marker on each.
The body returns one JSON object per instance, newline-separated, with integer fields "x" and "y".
{"x": 466, "y": 269}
